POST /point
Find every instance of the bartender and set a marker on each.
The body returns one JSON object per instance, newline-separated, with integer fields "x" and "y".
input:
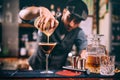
{"x": 66, "y": 34}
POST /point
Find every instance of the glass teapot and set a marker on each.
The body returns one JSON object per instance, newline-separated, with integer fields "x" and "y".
{"x": 94, "y": 51}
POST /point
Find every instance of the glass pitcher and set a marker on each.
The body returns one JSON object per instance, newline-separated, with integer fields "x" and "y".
{"x": 94, "y": 51}
{"x": 47, "y": 31}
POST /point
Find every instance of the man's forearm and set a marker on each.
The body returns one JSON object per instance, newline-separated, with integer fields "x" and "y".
{"x": 29, "y": 13}
{"x": 44, "y": 13}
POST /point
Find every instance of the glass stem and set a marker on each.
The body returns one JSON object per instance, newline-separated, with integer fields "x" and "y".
{"x": 47, "y": 55}
{"x": 48, "y": 39}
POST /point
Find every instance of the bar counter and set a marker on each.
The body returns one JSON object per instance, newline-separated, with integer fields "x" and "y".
{"x": 36, "y": 75}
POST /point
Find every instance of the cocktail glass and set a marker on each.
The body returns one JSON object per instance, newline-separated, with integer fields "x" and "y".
{"x": 47, "y": 48}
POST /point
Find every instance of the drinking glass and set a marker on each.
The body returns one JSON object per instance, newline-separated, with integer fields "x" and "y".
{"x": 107, "y": 65}
{"x": 47, "y": 31}
{"x": 74, "y": 61}
{"x": 47, "y": 48}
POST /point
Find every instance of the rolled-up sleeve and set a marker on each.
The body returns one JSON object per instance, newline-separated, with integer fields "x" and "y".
{"x": 81, "y": 41}
{"x": 28, "y": 21}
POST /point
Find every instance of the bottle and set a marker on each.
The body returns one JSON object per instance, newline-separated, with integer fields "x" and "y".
{"x": 23, "y": 51}
{"x": 58, "y": 13}
{"x": 34, "y": 36}
{"x": 94, "y": 52}
{"x": 52, "y": 9}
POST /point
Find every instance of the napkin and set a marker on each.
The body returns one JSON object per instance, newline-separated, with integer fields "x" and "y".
{"x": 68, "y": 73}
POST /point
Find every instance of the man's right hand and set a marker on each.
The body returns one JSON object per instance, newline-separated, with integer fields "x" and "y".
{"x": 45, "y": 19}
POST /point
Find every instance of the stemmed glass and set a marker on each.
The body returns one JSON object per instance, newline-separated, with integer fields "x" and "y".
{"x": 47, "y": 48}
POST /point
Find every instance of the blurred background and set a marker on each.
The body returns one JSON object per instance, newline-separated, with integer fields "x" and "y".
{"x": 18, "y": 40}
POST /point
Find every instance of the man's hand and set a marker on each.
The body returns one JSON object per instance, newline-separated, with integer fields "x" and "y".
{"x": 45, "y": 20}
{"x": 83, "y": 54}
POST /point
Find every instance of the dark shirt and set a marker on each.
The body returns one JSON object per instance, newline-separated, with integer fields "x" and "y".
{"x": 59, "y": 54}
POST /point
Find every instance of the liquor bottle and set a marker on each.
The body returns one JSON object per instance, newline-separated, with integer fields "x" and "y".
{"x": 94, "y": 51}
{"x": 58, "y": 13}
{"x": 23, "y": 51}
{"x": 52, "y": 9}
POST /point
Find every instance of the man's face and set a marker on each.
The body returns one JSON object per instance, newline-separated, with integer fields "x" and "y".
{"x": 70, "y": 21}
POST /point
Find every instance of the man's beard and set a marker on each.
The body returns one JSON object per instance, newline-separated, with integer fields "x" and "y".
{"x": 68, "y": 28}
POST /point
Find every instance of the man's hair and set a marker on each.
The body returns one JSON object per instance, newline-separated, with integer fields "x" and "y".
{"x": 78, "y": 8}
